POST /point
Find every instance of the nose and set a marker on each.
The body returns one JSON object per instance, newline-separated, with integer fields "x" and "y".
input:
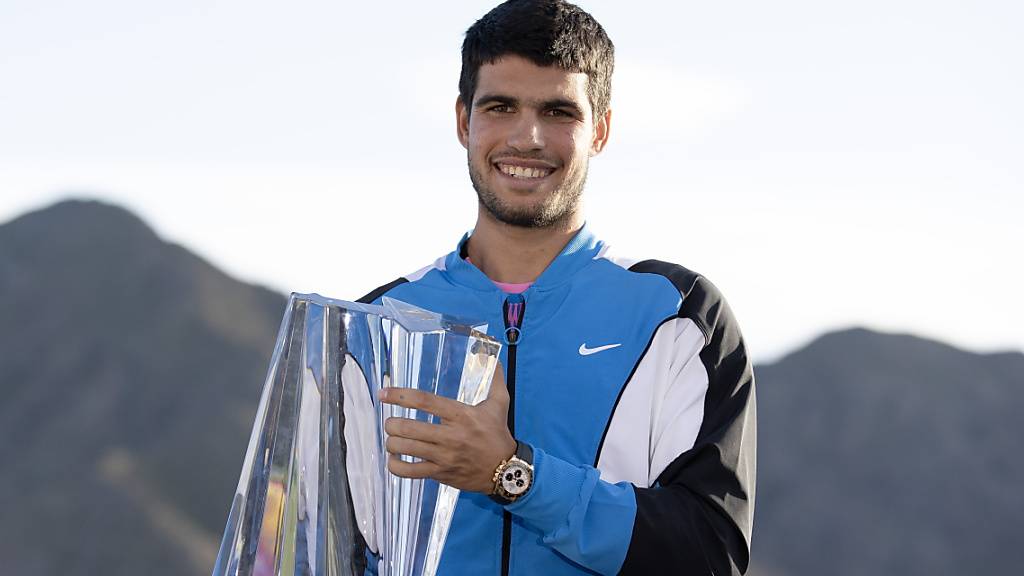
{"x": 527, "y": 133}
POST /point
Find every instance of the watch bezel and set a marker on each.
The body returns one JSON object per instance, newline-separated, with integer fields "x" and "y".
{"x": 515, "y": 463}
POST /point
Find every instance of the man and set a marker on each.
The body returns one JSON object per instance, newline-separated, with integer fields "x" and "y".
{"x": 619, "y": 435}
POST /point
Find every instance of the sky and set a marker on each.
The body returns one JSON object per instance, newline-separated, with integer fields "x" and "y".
{"x": 825, "y": 164}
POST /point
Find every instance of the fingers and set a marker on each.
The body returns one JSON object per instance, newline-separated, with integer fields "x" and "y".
{"x": 397, "y": 445}
{"x": 415, "y": 429}
{"x": 411, "y": 469}
{"x": 445, "y": 408}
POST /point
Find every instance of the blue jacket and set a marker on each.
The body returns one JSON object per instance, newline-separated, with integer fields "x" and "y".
{"x": 631, "y": 382}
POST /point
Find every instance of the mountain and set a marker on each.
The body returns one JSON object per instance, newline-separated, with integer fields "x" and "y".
{"x": 129, "y": 375}
{"x": 130, "y": 370}
{"x": 889, "y": 454}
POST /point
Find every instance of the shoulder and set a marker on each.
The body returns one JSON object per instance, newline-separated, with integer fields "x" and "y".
{"x": 684, "y": 280}
{"x": 701, "y": 301}
{"x": 724, "y": 353}
{"x": 380, "y": 291}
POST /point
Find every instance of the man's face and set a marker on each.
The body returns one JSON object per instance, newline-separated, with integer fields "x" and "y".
{"x": 529, "y": 138}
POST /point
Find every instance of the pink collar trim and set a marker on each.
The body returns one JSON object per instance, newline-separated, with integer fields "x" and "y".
{"x": 509, "y": 287}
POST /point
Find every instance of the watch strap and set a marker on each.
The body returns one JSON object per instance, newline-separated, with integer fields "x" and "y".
{"x": 524, "y": 452}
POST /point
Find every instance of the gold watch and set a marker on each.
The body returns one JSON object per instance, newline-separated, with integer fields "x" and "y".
{"x": 514, "y": 477}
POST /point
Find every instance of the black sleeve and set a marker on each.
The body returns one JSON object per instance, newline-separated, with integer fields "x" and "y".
{"x": 697, "y": 518}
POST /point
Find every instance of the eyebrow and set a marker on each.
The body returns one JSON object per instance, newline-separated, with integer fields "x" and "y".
{"x": 543, "y": 104}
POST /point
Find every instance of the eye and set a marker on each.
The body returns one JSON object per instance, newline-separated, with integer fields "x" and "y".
{"x": 500, "y": 108}
{"x": 560, "y": 113}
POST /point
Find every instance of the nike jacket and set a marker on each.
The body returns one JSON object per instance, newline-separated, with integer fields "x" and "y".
{"x": 631, "y": 382}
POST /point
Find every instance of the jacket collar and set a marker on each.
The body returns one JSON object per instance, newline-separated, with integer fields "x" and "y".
{"x": 579, "y": 252}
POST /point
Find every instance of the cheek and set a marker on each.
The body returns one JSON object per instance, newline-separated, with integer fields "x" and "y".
{"x": 577, "y": 145}
{"x": 479, "y": 138}
{"x": 483, "y": 127}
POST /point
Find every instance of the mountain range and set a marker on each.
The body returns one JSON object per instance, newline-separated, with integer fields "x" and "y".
{"x": 130, "y": 370}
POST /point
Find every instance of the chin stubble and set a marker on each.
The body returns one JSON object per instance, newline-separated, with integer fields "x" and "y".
{"x": 559, "y": 206}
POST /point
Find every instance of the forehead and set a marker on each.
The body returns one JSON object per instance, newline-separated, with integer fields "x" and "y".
{"x": 517, "y": 77}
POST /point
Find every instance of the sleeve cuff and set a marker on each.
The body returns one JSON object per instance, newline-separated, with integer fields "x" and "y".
{"x": 557, "y": 488}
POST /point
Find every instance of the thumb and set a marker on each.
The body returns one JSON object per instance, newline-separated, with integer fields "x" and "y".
{"x": 499, "y": 389}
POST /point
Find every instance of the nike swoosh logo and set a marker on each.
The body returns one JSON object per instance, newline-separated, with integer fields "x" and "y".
{"x": 584, "y": 351}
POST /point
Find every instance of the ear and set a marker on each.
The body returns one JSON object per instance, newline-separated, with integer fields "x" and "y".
{"x": 462, "y": 122}
{"x": 602, "y": 127}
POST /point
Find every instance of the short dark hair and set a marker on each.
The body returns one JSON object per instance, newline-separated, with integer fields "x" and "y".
{"x": 547, "y": 33}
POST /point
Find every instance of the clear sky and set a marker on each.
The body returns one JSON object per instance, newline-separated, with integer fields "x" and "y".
{"x": 826, "y": 164}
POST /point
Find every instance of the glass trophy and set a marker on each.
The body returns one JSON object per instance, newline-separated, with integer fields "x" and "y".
{"x": 315, "y": 496}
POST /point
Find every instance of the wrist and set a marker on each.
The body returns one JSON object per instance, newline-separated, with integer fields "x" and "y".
{"x": 509, "y": 447}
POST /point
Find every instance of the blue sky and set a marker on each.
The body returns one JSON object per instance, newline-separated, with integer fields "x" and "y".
{"x": 826, "y": 164}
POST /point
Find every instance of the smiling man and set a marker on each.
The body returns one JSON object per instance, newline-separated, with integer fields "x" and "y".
{"x": 530, "y": 131}
{"x": 619, "y": 436}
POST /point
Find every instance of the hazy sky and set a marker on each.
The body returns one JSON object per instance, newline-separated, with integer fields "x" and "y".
{"x": 826, "y": 164}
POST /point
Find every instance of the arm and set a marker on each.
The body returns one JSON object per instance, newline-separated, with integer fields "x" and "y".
{"x": 701, "y": 514}
{"x": 696, "y": 517}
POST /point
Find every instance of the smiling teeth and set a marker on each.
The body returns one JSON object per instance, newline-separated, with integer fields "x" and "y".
{"x": 524, "y": 172}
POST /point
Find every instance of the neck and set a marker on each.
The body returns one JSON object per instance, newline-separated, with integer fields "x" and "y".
{"x": 512, "y": 254}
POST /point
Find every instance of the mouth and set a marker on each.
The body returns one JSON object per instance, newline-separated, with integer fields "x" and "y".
{"x": 524, "y": 171}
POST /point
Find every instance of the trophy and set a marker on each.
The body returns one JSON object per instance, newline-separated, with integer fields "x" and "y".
{"x": 315, "y": 496}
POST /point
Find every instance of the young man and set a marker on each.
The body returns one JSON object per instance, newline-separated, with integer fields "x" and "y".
{"x": 619, "y": 435}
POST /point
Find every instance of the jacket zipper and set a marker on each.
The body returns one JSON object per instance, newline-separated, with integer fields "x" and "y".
{"x": 513, "y": 311}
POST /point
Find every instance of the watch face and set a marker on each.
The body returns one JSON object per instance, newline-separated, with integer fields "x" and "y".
{"x": 516, "y": 479}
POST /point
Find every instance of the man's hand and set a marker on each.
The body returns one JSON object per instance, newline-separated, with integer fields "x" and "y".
{"x": 464, "y": 449}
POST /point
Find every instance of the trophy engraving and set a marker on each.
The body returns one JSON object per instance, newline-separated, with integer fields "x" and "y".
{"x": 315, "y": 496}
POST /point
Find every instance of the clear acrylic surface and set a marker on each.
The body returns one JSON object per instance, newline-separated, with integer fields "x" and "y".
{"x": 315, "y": 496}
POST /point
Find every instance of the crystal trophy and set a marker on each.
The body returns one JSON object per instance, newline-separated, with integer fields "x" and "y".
{"x": 315, "y": 496}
